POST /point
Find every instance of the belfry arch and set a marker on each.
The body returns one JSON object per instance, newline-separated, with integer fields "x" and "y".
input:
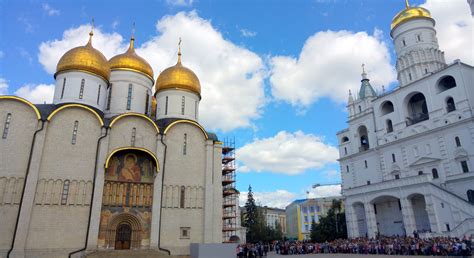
{"x": 125, "y": 221}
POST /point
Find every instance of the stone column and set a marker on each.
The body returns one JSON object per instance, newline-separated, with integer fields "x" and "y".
{"x": 351, "y": 221}
{"x": 432, "y": 215}
{"x": 408, "y": 216}
{"x": 96, "y": 205}
{"x": 370, "y": 219}
{"x": 29, "y": 195}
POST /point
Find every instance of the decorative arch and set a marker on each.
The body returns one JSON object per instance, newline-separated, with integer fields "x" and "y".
{"x": 445, "y": 83}
{"x": 383, "y": 197}
{"x": 189, "y": 122}
{"x": 132, "y": 221}
{"x": 38, "y": 115}
{"x": 137, "y": 115}
{"x": 101, "y": 121}
{"x": 107, "y": 161}
{"x": 386, "y": 107}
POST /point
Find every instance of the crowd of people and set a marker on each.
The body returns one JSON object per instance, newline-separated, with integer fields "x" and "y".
{"x": 396, "y": 245}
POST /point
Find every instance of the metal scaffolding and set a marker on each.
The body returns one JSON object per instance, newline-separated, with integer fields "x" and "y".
{"x": 229, "y": 192}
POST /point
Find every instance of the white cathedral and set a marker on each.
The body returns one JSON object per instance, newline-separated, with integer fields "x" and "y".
{"x": 110, "y": 164}
{"x": 407, "y": 158}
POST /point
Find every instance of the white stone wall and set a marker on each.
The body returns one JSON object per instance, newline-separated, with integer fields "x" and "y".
{"x": 92, "y": 96}
{"x": 175, "y": 101}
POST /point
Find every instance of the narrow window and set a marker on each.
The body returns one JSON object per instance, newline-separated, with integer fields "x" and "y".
{"x": 98, "y": 94}
{"x": 464, "y": 166}
{"x": 360, "y": 109}
{"x": 389, "y": 126}
{"x": 426, "y": 71}
{"x": 404, "y": 43}
{"x": 347, "y": 169}
{"x": 134, "y": 135}
{"x": 470, "y": 196}
{"x": 368, "y": 182}
{"x": 442, "y": 205}
{"x": 420, "y": 173}
{"x": 458, "y": 142}
{"x": 81, "y": 91}
{"x": 185, "y": 143}
{"x": 409, "y": 75}
{"x": 397, "y": 176}
{"x": 74, "y": 132}
{"x": 375, "y": 208}
{"x": 181, "y": 201}
{"x": 393, "y": 157}
{"x": 365, "y": 163}
{"x": 182, "y": 105}
{"x": 450, "y": 105}
{"x": 109, "y": 97}
{"x": 6, "y": 126}
{"x": 447, "y": 227}
{"x": 147, "y": 102}
{"x": 129, "y": 97}
{"x": 64, "y": 86}
{"x": 65, "y": 192}
{"x": 418, "y": 37}
{"x": 434, "y": 172}
{"x": 399, "y": 205}
{"x": 195, "y": 109}
{"x": 345, "y": 150}
{"x": 166, "y": 105}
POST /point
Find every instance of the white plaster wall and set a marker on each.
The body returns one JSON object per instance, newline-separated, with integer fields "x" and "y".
{"x": 120, "y": 81}
{"x": 73, "y": 85}
{"x": 191, "y": 107}
{"x": 14, "y": 153}
{"x": 120, "y": 134}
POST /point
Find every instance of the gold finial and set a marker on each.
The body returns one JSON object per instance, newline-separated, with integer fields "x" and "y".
{"x": 363, "y": 68}
{"x": 407, "y": 5}
{"x": 132, "y": 38}
{"x": 179, "y": 51}
{"x": 364, "y": 74}
{"x": 91, "y": 33}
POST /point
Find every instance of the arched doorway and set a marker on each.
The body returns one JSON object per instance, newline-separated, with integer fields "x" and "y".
{"x": 125, "y": 221}
{"x": 123, "y": 237}
{"x": 388, "y": 214}
{"x": 418, "y": 205}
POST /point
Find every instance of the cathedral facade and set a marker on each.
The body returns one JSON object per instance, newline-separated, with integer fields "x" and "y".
{"x": 117, "y": 161}
{"x": 407, "y": 157}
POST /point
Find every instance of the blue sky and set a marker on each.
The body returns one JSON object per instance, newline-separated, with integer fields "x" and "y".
{"x": 275, "y": 74}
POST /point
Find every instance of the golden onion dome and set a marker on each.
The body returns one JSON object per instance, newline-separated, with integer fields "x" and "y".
{"x": 131, "y": 61}
{"x": 178, "y": 77}
{"x": 409, "y": 13}
{"x": 86, "y": 59}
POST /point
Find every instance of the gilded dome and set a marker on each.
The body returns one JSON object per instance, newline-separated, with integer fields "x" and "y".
{"x": 178, "y": 77}
{"x": 84, "y": 58}
{"x": 409, "y": 13}
{"x": 131, "y": 61}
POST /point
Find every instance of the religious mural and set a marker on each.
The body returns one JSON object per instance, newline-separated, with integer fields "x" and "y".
{"x": 127, "y": 199}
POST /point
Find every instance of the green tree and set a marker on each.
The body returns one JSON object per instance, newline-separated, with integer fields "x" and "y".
{"x": 332, "y": 226}
{"x": 251, "y": 217}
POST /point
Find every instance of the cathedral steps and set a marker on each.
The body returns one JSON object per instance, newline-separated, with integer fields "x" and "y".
{"x": 133, "y": 254}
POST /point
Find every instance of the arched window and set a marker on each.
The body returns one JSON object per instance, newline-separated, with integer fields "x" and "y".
{"x": 470, "y": 195}
{"x": 182, "y": 196}
{"x": 450, "y": 106}
{"x": 109, "y": 97}
{"x": 434, "y": 172}
{"x": 458, "y": 142}
{"x": 345, "y": 139}
{"x": 166, "y": 105}
{"x": 64, "y": 86}
{"x": 65, "y": 192}
{"x": 364, "y": 139}
{"x": 129, "y": 96}
{"x": 6, "y": 126}
{"x": 74, "y": 132}
{"x": 387, "y": 108}
{"x": 81, "y": 90}
{"x": 417, "y": 109}
{"x": 446, "y": 83}
{"x": 389, "y": 126}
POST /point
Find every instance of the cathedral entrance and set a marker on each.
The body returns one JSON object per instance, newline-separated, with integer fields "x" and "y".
{"x": 123, "y": 237}
{"x": 125, "y": 221}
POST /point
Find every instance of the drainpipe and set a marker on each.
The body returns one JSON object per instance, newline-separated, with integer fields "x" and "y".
{"x": 161, "y": 202}
{"x": 24, "y": 186}
{"x": 93, "y": 191}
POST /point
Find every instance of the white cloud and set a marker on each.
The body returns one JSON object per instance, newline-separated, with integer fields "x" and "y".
{"x": 180, "y": 2}
{"x": 3, "y": 86}
{"x": 286, "y": 153}
{"x": 277, "y": 199}
{"x": 37, "y": 93}
{"x": 50, "y": 11}
{"x": 454, "y": 26}
{"x": 231, "y": 76}
{"x": 325, "y": 191}
{"x": 248, "y": 33}
{"x": 329, "y": 65}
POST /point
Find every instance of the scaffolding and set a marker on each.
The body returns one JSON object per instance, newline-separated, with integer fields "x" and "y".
{"x": 229, "y": 192}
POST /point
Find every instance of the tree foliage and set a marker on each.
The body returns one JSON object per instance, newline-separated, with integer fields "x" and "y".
{"x": 332, "y": 226}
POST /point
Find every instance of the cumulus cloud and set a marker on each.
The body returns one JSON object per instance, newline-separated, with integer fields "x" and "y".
{"x": 286, "y": 153}
{"x": 37, "y": 93}
{"x": 454, "y": 26}
{"x": 180, "y": 2}
{"x": 231, "y": 76}
{"x": 276, "y": 199}
{"x": 329, "y": 65}
{"x": 50, "y": 11}
{"x": 3, "y": 86}
{"x": 325, "y": 191}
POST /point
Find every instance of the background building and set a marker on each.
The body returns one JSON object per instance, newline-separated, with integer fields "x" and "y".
{"x": 301, "y": 213}
{"x": 274, "y": 216}
{"x": 407, "y": 156}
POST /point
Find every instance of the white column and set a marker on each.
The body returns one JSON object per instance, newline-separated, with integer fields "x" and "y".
{"x": 408, "y": 216}
{"x": 371, "y": 219}
{"x": 98, "y": 192}
{"x": 432, "y": 215}
{"x": 29, "y": 195}
{"x": 351, "y": 221}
